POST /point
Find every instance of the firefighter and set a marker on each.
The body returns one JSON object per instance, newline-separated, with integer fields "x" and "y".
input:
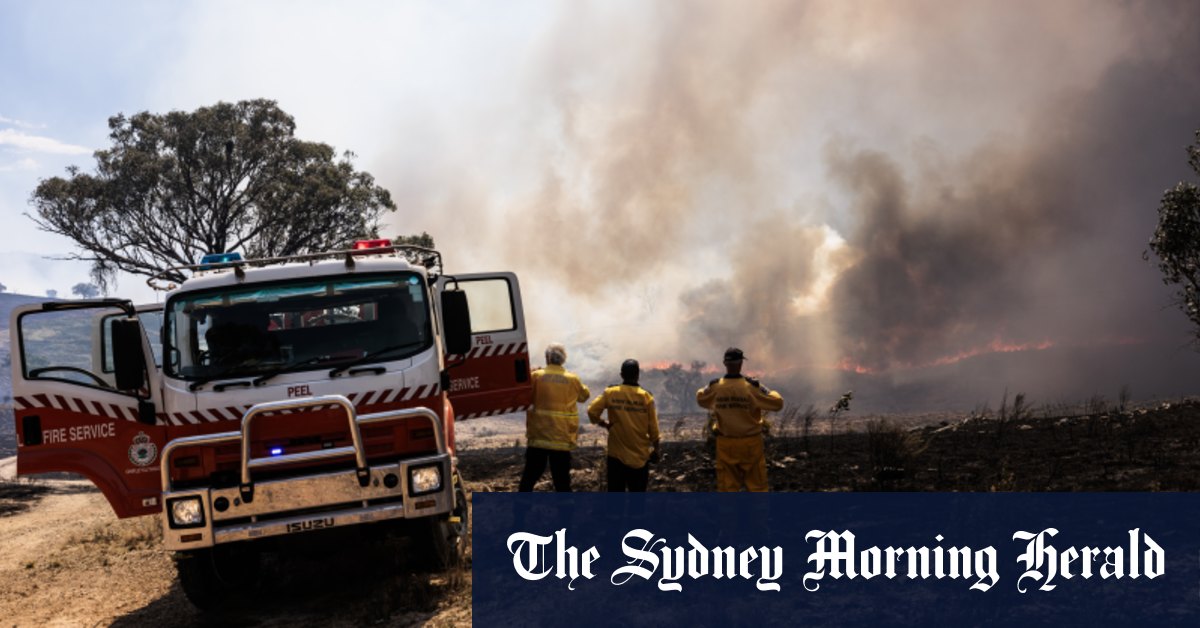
{"x": 552, "y": 425}
{"x": 632, "y": 426}
{"x": 738, "y": 403}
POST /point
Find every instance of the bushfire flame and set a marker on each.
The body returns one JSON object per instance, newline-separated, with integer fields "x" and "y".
{"x": 665, "y": 365}
{"x": 848, "y": 365}
{"x": 997, "y": 345}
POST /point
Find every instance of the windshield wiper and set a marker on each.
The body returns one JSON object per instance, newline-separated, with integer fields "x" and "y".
{"x": 226, "y": 374}
{"x": 256, "y": 381}
{"x": 265, "y": 377}
{"x": 373, "y": 357}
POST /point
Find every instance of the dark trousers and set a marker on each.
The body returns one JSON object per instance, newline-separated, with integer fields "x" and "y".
{"x": 535, "y": 465}
{"x": 622, "y": 477}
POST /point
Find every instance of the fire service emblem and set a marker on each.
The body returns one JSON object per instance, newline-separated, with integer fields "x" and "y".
{"x": 142, "y": 452}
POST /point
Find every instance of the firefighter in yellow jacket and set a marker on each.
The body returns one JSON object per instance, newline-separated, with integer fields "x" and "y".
{"x": 552, "y": 425}
{"x": 738, "y": 403}
{"x": 632, "y": 430}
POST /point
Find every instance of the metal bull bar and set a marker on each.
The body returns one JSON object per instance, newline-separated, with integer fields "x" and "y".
{"x": 249, "y": 464}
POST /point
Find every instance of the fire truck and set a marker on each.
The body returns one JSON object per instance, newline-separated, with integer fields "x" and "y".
{"x": 267, "y": 398}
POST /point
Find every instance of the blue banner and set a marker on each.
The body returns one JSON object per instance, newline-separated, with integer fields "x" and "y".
{"x": 849, "y": 559}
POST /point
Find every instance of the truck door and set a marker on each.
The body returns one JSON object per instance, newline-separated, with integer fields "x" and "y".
{"x": 71, "y": 414}
{"x": 493, "y": 376}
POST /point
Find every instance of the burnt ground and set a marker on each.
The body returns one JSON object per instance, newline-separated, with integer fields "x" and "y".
{"x": 1149, "y": 449}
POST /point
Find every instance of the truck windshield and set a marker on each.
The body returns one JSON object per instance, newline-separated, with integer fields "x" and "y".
{"x": 307, "y": 324}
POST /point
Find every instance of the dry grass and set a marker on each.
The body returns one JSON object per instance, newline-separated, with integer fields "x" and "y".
{"x": 139, "y": 533}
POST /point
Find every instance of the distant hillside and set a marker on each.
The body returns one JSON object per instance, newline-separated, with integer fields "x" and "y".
{"x": 8, "y": 431}
{"x": 8, "y": 303}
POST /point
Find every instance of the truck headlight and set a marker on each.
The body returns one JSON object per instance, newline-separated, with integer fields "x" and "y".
{"x": 425, "y": 479}
{"x": 186, "y": 512}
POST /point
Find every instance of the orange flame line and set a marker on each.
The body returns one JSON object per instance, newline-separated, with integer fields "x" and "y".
{"x": 995, "y": 346}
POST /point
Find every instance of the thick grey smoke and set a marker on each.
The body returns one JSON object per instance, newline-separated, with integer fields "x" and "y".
{"x": 1030, "y": 240}
{"x": 880, "y": 187}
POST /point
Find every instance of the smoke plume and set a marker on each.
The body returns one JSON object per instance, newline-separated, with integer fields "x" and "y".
{"x": 844, "y": 190}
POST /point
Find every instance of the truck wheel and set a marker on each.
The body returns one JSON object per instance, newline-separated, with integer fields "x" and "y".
{"x": 441, "y": 542}
{"x": 221, "y": 576}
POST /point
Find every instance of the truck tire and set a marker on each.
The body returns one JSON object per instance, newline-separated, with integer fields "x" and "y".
{"x": 224, "y": 576}
{"x": 440, "y": 543}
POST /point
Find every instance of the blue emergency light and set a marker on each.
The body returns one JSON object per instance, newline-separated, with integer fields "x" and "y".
{"x": 212, "y": 260}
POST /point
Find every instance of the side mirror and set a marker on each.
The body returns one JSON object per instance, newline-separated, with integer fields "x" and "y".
{"x": 129, "y": 360}
{"x": 146, "y": 412}
{"x": 456, "y": 322}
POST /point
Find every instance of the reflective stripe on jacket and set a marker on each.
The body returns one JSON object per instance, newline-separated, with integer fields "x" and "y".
{"x": 553, "y": 422}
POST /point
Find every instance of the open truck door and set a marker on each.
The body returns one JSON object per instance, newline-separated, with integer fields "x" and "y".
{"x": 487, "y": 373}
{"x": 85, "y": 393}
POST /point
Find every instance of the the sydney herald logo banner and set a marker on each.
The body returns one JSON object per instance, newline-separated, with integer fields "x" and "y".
{"x": 837, "y": 559}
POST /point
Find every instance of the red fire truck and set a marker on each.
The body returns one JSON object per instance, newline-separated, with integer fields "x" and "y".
{"x": 266, "y": 398}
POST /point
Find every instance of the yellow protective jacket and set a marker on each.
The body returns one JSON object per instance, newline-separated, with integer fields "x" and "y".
{"x": 553, "y": 423}
{"x": 739, "y": 404}
{"x": 634, "y": 431}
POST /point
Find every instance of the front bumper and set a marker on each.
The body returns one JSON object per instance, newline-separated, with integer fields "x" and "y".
{"x": 255, "y": 510}
{"x": 308, "y": 503}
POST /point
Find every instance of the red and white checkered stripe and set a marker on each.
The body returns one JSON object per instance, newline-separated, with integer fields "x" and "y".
{"x": 73, "y": 404}
{"x": 489, "y": 351}
{"x": 360, "y": 400}
{"x": 476, "y": 415}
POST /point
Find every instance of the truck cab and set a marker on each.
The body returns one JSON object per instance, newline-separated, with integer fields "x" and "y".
{"x": 266, "y": 398}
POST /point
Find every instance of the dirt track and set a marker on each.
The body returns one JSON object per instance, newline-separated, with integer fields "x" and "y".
{"x": 59, "y": 570}
{"x": 66, "y": 560}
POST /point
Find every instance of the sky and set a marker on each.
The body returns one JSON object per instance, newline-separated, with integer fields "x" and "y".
{"x": 893, "y": 195}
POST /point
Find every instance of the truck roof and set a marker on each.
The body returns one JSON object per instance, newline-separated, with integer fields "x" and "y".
{"x": 228, "y": 278}
{"x": 263, "y": 271}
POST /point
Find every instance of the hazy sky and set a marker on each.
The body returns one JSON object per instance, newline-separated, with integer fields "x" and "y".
{"x": 835, "y": 186}
{"x": 349, "y": 74}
